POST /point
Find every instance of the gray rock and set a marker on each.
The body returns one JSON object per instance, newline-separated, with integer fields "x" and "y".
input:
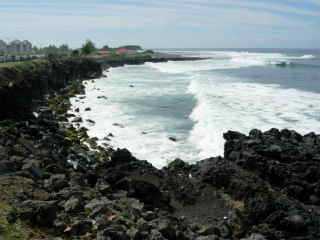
{"x": 72, "y": 205}
{"x": 255, "y": 236}
{"x": 166, "y": 229}
{"x": 77, "y": 120}
{"x": 295, "y": 223}
{"x": 209, "y": 237}
{"x": 56, "y": 182}
{"x": 41, "y": 213}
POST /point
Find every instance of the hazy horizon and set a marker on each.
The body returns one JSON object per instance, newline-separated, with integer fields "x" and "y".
{"x": 166, "y": 24}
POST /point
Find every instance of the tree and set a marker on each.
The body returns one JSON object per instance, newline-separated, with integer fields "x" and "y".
{"x": 64, "y": 48}
{"x": 106, "y": 47}
{"x": 75, "y": 53}
{"x": 88, "y": 48}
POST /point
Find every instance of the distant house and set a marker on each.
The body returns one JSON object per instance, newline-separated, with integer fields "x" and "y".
{"x": 18, "y": 46}
{"x": 125, "y": 51}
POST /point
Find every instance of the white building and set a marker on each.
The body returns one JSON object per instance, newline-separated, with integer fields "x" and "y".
{"x": 16, "y": 46}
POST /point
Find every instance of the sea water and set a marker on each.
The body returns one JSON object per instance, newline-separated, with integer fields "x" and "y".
{"x": 164, "y": 111}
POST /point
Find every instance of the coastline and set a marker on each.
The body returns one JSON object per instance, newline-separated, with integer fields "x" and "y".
{"x": 255, "y": 190}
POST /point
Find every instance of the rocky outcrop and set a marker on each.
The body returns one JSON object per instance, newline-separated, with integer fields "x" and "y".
{"x": 23, "y": 84}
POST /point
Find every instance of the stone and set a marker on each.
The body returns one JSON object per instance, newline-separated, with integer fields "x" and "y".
{"x": 295, "y": 223}
{"x": 56, "y": 182}
{"x": 90, "y": 121}
{"x": 77, "y": 120}
{"x": 32, "y": 167}
{"x": 72, "y": 205}
{"x": 166, "y": 229}
{"x": 255, "y": 236}
{"x": 40, "y": 213}
{"x": 113, "y": 232}
{"x": 208, "y": 230}
{"x": 81, "y": 227}
{"x": 173, "y": 139}
{"x": 209, "y": 237}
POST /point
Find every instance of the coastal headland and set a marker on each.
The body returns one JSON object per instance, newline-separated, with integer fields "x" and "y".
{"x": 57, "y": 183}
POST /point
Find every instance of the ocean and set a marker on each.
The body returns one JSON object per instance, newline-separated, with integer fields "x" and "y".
{"x": 164, "y": 111}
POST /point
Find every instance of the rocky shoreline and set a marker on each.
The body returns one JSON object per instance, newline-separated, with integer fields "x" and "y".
{"x": 57, "y": 183}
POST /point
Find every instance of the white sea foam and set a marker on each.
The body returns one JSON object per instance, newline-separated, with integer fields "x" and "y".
{"x": 222, "y": 103}
{"x": 225, "y": 60}
{"x": 145, "y": 137}
{"x": 228, "y": 104}
{"x": 307, "y": 57}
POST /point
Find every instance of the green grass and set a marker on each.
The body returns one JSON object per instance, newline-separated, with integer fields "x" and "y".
{"x": 21, "y": 64}
{"x": 10, "y": 231}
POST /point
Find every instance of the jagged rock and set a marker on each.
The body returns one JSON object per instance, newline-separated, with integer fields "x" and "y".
{"x": 77, "y": 120}
{"x": 178, "y": 165}
{"x": 166, "y": 229}
{"x": 208, "y": 230}
{"x": 295, "y": 223}
{"x": 90, "y": 121}
{"x": 41, "y": 213}
{"x": 72, "y": 205}
{"x": 122, "y": 156}
{"x": 33, "y": 168}
{"x": 210, "y": 237}
{"x": 156, "y": 235}
{"x": 81, "y": 227}
{"x": 144, "y": 191}
{"x": 56, "y": 182}
{"x": 255, "y": 236}
{"x": 113, "y": 232}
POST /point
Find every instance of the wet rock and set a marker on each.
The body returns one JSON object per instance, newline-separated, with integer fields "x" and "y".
{"x": 173, "y": 139}
{"x": 102, "y": 97}
{"x": 77, "y": 120}
{"x": 122, "y": 156}
{"x": 178, "y": 165}
{"x": 90, "y": 121}
{"x": 118, "y": 125}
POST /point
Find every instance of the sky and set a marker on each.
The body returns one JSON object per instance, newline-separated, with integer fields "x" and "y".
{"x": 164, "y": 23}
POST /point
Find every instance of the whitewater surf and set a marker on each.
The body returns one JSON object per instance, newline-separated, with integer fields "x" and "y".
{"x": 163, "y": 111}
